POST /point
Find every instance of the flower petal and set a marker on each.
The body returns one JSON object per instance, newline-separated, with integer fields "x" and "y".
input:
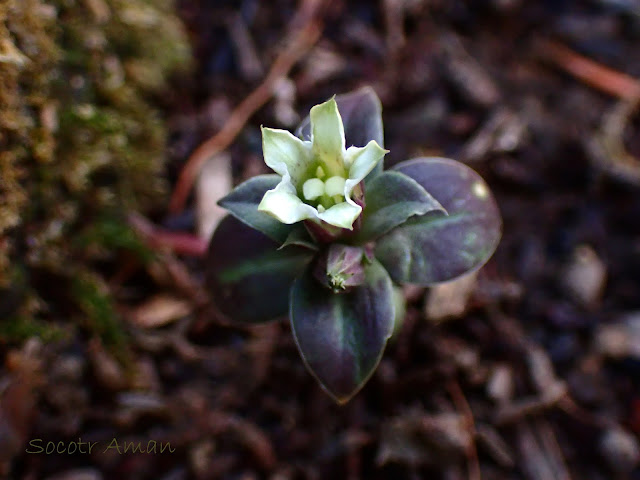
{"x": 328, "y": 136}
{"x": 341, "y": 215}
{"x": 283, "y": 203}
{"x": 361, "y": 160}
{"x": 284, "y": 153}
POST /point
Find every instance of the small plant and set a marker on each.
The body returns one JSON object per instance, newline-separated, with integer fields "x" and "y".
{"x": 325, "y": 238}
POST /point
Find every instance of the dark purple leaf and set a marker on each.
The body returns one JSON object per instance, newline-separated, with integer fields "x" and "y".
{"x": 392, "y": 198}
{"x": 341, "y": 337}
{"x": 248, "y": 277}
{"x": 299, "y": 236}
{"x": 435, "y": 248}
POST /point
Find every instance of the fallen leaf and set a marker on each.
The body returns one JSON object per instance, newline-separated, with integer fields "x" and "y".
{"x": 160, "y": 310}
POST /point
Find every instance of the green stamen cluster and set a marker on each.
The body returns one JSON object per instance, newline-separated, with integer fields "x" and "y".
{"x": 325, "y": 193}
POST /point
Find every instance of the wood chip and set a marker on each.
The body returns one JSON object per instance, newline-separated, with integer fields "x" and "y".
{"x": 467, "y": 74}
{"x": 500, "y": 386}
{"x": 449, "y": 300}
{"x": 584, "y": 276}
{"x": 620, "y": 339}
{"x": 418, "y": 439}
{"x": 504, "y": 132}
{"x": 213, "y": 183}
{"x": 620, "y": 449}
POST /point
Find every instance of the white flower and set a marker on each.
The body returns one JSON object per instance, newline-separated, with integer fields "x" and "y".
{"x": 318, "y": 176}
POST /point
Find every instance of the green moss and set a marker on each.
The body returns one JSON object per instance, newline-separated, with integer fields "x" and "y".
{"x": 81, "y": 142}
{"x": 109, "y": 234}
{"x": 99, "y": 313}
{"x": 20, "y": 328}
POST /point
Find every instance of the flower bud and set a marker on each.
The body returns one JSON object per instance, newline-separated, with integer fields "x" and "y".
{"x": 341, "y": 267}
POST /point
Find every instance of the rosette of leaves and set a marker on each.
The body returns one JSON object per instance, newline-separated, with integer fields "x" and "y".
{"x": 326, "y": 237}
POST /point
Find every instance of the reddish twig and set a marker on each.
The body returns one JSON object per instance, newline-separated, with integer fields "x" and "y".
{"x": 158, "y": 239}
{"x": 297, "y": 46}
{"x": 590, "y": 72}
{"x": 457, "y": 395}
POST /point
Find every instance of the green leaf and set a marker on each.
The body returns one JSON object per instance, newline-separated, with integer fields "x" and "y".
{"x": 341, "y": 337}
{"x": 433, "y": 248}
{"x": 248, "y": 277}
{"x": 361, "y": 114}
{"x": 391, "y": 199}
{"x": 242, "y": 202}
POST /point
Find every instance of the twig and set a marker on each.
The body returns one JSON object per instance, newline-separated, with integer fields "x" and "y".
{"x": 467, "y": 75}
{"x": 570, "y": 407}
{"x": 549, "y": 443}
{"x": 607, "y": 147}
{"x": 245, "y": 48}
{"x": 394, "y": 13}
{"x": 463, "y": 406}
{"x": 298, "y": 45}
{"x": 247, "y": 433}
{"x": 592, "y": 73}
{"x": 542, "y": 458}
{"x": 159, "y": 239}
{"x": 514, "y": 412}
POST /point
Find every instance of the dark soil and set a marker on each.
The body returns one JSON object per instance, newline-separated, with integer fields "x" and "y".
{"x": 538, "y": 380}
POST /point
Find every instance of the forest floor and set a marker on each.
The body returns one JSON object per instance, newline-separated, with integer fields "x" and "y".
{"x": 531, "y": 373}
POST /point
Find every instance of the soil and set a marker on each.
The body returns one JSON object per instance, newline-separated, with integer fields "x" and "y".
{"x": 538, "y": 379}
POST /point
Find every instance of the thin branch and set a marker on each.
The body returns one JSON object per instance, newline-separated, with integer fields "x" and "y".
{"x": 157, "y": 238}
{"x": 300, "y": 43}
{"x": 463, "y": 407}
{"x": 590, "y": 72}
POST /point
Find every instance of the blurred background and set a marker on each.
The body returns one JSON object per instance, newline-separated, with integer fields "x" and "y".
{"x": 123, "y": 121}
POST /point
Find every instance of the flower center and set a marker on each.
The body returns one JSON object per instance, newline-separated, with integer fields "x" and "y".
{"x": 324, "y": 194}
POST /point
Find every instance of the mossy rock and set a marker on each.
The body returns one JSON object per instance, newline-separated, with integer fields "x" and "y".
{"x": 81, "y": 141}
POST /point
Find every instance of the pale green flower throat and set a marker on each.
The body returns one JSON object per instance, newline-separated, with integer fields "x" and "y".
{"x": 324, "y": 192}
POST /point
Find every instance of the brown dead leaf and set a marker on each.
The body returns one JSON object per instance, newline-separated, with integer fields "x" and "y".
{"x": 160, "y": 310}
{"x": 449, "y": 300}
{"x": 418, "y": 439}
{"x": 105, "y": 367}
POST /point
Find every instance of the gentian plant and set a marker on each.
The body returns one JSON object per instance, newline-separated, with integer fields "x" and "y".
{"x": 329, "y": 235}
